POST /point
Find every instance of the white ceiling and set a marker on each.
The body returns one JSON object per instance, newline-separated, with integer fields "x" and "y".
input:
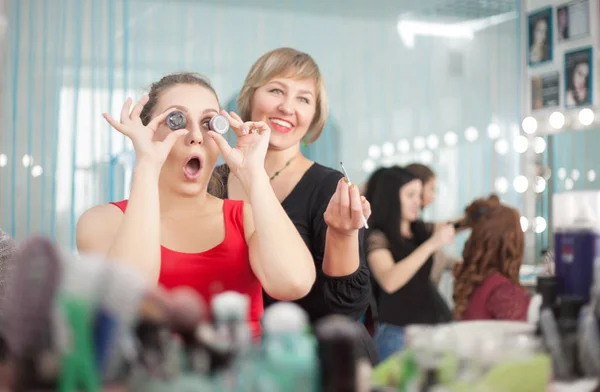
{"x": 384, "y": 9}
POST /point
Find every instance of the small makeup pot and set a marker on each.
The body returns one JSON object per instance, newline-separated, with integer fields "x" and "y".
{"x": 176, "y": 120}
{"x": 219, "y": 124}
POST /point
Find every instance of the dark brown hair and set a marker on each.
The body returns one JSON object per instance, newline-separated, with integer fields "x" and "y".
{"x": 496, "y": 245}
{"x": 422, "y": 172}
{"x": 215, "y": 186}
{"x": 382, "y": 192}
{"x": 165, "y": 83}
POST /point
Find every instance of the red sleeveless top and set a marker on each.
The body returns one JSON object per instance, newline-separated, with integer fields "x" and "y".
{"x": 497, "y": 298}
{"x": 226, "y": 267}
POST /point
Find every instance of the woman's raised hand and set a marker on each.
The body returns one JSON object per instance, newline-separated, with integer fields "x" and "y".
{"x": 247, "y": 158}
{"x": 147, "y": 148}
{"x": 443, "y": 234}
{"x": 344, "y": 214}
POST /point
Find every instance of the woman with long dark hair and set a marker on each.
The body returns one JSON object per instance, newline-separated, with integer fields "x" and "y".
{"x": 399, "y": 252}
{"x": 486, "y": 285}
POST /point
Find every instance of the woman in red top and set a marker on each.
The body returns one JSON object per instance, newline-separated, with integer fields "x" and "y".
{"x": 487, "y": 282}
{"x": 172, "y": 230}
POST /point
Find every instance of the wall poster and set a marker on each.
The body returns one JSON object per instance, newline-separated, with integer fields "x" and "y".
{"x": 573, "y": 20}
{"x": 545, "y": 91}
{"x": 540, "y": 36}
{"x": 578, "y": 77}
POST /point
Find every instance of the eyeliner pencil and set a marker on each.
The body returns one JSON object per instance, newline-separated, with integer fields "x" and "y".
{"x": 350, "y": 183}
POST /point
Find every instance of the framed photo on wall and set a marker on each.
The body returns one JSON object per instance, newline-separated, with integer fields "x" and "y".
{"x": 573, "y": 20}
{"x": 545, "y": 91}
{"x": 578, "y": 77}
{"x": 540, "y": 36}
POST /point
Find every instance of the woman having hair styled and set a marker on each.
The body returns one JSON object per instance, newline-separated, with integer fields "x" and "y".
{"x": 486, "y": 285}
{"x": 400, "y": 251}
{"x": 285, "y": 89}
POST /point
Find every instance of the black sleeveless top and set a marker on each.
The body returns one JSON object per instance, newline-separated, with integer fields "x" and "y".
{"x": 305, "y": 205}
{"x": 417, "y": 301}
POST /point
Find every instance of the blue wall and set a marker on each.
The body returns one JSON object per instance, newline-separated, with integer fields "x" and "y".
{"x": 71, "y": 60}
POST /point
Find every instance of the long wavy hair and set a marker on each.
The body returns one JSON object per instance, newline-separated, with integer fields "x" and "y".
{"x": 496, "y": 245}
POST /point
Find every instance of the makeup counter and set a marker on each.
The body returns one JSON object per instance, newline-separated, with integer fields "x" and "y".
{"x": 82, "y": 324}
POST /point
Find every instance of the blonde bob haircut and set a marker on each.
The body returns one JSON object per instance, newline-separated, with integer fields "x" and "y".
{"x": 286, "y": 62}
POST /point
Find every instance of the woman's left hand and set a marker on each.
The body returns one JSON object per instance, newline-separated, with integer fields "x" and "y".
{"x": 247, "y": 158}
{"x": 344, "y": 214}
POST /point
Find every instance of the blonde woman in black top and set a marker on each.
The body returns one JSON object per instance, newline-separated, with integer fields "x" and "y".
{"x": 285, "y": 89}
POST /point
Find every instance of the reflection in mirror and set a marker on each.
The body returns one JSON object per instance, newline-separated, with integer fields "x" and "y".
{"x": 568, "y": 164}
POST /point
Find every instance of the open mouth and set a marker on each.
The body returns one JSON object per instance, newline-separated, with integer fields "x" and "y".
{"x": 192, "y": 168}
{"x": 281, "y": 126}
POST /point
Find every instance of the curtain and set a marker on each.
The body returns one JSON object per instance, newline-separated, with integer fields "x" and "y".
{"x": 68, "y": 61}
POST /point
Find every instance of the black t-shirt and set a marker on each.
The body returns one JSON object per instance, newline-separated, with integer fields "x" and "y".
{"x": 305, "y": 205}
{"x": 415, "y": 302}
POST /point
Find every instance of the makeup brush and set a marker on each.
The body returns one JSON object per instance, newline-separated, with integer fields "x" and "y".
{"x": 350, "y": 183}
{"x": 30, "y": 301}
{"x": 81, "y": 292}
{"x": 31, "y": 294}
{"x": 117, "y": 314}
{"x": 339, "y": 339}
{"x": 151, "y": 351}
{"x": 8, "y": 248}
{"x": 233, "y": 337}
{"x": 230, "y": 311}
{"x": 188, "y": 311}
